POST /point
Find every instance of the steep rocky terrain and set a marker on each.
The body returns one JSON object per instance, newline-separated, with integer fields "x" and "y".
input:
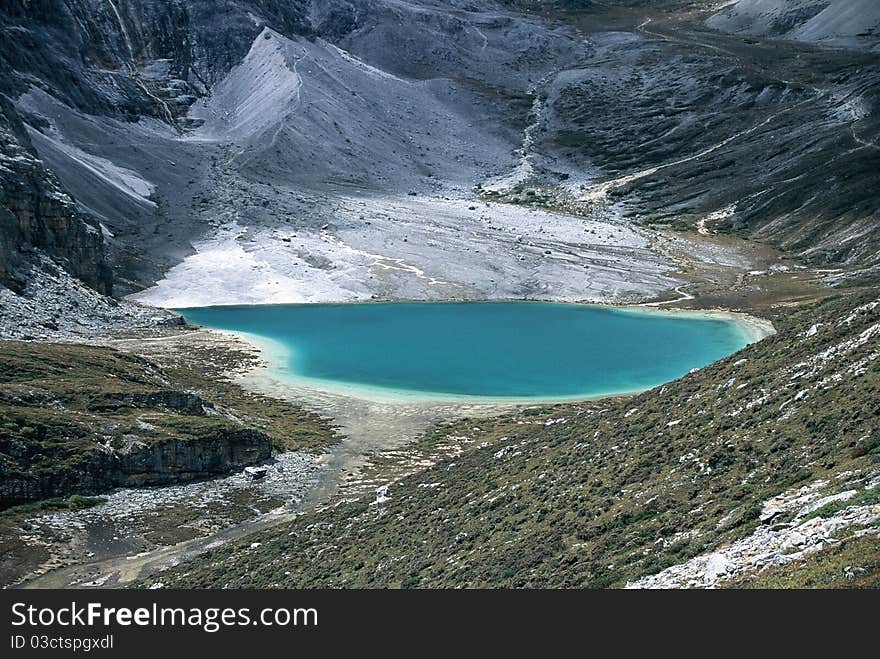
{"x": 688, "y": 127}
{"x": 282, "y": 139}
{"x": 36, "y": 213}
{"x": 761, "y": 460}
{"x": 848, "y": 23}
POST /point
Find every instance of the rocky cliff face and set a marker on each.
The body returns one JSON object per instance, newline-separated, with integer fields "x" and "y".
{"x": 116, "y": 59}
{"x": 140, "y": 464}
{"x": 87, "y": 54}
{"x": 133, "y": 58}
{"x": 36, "y": 214}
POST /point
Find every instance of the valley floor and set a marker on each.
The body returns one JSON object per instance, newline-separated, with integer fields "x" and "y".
{"x": 136, "y": 535}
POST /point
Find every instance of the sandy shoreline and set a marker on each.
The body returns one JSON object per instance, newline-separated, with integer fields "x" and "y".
{"x": 753, "y": 327}
{"x": 368, "y": 425}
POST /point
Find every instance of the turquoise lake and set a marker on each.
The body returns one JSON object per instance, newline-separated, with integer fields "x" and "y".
{"x": 518, "y": 350}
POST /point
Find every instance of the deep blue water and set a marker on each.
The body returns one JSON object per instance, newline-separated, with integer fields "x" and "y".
{"x": 494, "y": 349}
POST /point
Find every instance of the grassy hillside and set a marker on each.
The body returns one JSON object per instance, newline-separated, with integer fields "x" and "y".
{"x": 598, "y": 494}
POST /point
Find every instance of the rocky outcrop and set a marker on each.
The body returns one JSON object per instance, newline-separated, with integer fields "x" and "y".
{"x": 140, "y": 464}
{"x": 173, "y": 461}
{"x": 179, "y": 401}
{"x": 777, "y": 543}
{"x": 36, "y": 214}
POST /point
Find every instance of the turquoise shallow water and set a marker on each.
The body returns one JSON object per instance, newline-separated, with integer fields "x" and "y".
{"x": 516, "y": 350}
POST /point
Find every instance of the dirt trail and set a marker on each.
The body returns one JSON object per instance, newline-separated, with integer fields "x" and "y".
{"x": 122, "y": 570}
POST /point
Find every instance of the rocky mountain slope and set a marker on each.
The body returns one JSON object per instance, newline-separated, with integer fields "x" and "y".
{"x": 848, "y": 23}
{"x": 284, "y": 137}
{"x": 35, "y": 213}
{"x": 763, "y": 459}
{"x": 687, "y": 126}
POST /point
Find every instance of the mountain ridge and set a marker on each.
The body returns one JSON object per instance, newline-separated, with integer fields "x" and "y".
{"x": 148, "y": 74}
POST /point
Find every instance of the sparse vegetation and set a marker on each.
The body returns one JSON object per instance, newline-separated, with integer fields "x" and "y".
{"x": 864, "y": 498}
{"x": 75, "y": 502}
